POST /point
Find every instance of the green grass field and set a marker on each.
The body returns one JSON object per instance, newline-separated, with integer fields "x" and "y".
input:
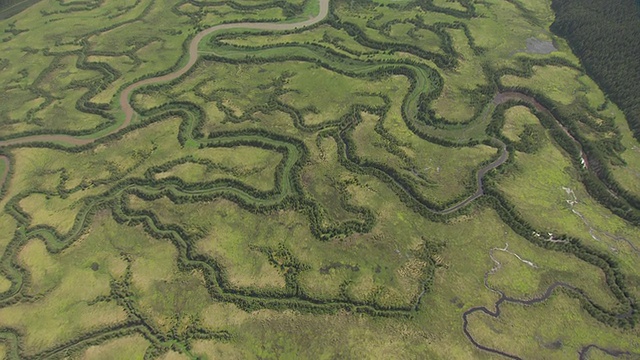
{"x": 549, "y": 342}
{"x": 314, "y": 192}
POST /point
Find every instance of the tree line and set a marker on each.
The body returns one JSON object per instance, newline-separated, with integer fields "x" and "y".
{"x": 606, "y": 37}
{"x": 8, "y": 8}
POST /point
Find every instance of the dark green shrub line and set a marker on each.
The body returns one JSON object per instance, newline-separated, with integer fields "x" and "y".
{"x": 447, "y": 61}
{"x": 109, "y": 75}
{"x": 13, "y": 272}
{"x": 36, "y": 90}
{"x": 614, "y": 277}
{"x": 89, "y": 339}
{"x": 174, "y": 230}
{"x": 90, "y": 213}
{"x": 151, "y": 172}
{"x": 288, "y": 9}
{"x": 529, "y": 15}
{"x": 218, "y": 42}
{"x": 10, "y": 171}
{"x": 282, "y": 258}
{"x": 479, "y": 98}
{"x": 160, "y": 341}
{"x": 246, "y": 301}
{"x": 298, "y": 118}
{"x": 392, "y": 175}
{"x": 124, "y": 9}
{"x": 477, "y": 50}
{"x": 218, "y": 287}
{"x": 54, "y": 245}
{"x": 114, "y": 25}
{"x": 376, "y": 109}
{"x": 598, "y": 179}
{"x": 406, "y": 68}
{"x": 83, "y": 104}
{"x": 428, "y": 6}
{"x": 10, "y": 338}
{"x": 508, "y": 213}
{"x": 529, "y": 142}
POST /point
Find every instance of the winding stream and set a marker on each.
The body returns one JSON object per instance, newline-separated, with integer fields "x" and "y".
{"x": 125, "y": 104}
{"x": 504, "y": 97}
{"x": 129, "y": 112}
{"x": 496, "y": 313}
{"x": 503, "y": 298}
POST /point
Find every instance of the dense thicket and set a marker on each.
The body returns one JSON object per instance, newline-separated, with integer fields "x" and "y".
{"x": 606, "y": 36}
{"x": 8, "y": 8}
{"x": 7, "y": 3}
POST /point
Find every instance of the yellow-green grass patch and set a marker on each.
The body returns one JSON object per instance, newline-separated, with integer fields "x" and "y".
{"x": 213, "y": 349}
{"x": 172, "y": 355}
{"x": 54, "y": 211}
{"x": 515, "y": 120}
{"x": 54, "y": 34}
{"x": 40, "y": 169}
{"x": 324, "y": 34}
{"x": 62, "y": 113}
{"x": 323, "y": 177}
{"x": 64, "y": 74}
{"x": 519, "y": 279}
{"x": 450, "y": 4}
{"x": 628, "y": 175}
{"x": 16, "y": 104}
{"x": 556, "y": 82}
{"x": 329, "y": 93}
{"x": 454, "y": 104}
{"x": 65, "y": 311}
{"x": 5, "y": 284}
{"x": 228, "y": 14}
{"x": 161, "y": 291}
{"x": 8, "y": 224}
{"x": 502, "y": 30}
{"x": 295, "y": 335}
{"x": 131, "y": 347}
{"x": 254, "y": 166}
